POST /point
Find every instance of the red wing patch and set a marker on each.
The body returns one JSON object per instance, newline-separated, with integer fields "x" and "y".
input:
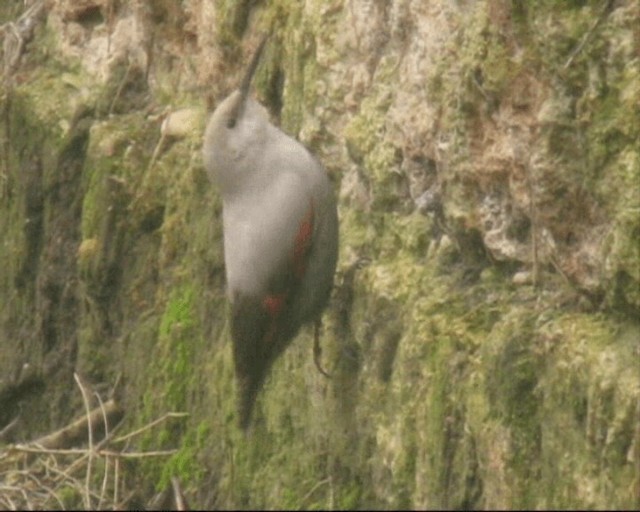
{"x": 273, "y": 303}
{"x": 302, "y": 243}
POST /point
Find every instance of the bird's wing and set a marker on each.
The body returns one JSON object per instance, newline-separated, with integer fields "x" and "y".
{"x": 263, "y": 324}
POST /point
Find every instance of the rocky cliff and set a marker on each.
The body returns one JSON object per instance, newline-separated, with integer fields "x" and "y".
{"x": 483, "y": 332}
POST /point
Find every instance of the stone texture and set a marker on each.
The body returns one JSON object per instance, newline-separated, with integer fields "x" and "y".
{"x": 483, "y": 332}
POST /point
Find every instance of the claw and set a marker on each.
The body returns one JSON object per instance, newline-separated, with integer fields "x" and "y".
{"x": 317, "y": 350}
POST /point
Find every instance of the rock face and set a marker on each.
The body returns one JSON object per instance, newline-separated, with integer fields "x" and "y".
{"x": 483, "y": 333}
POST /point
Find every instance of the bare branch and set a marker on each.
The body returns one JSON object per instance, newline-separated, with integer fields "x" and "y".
{"x": 72, "y": 433}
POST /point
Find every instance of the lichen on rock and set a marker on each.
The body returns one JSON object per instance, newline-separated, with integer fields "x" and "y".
{"x": 482, "y": 335}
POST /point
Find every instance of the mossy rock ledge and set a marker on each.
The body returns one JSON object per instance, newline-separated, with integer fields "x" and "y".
{"x": 483, "y": 334}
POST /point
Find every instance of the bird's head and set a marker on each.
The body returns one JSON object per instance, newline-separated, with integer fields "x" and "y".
{"x": 234, "y": 129}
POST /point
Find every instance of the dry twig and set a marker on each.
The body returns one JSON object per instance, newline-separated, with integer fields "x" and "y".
{"x": 603, "y": 15}
{"x": 181, "y": 502}
{"x": 53, "y": 472}
{"x": 151, "y": 425}
{"x": 85, "y": 400}
{"x": 75, "y": 431}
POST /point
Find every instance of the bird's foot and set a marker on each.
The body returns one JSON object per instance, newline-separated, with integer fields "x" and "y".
{"x": 317, "y": 351}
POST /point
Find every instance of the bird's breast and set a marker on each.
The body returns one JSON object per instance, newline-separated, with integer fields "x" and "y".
{"x": 261, "y": 234}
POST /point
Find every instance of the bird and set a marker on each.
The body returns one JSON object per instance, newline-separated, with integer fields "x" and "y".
{"x": 280, "y": 234}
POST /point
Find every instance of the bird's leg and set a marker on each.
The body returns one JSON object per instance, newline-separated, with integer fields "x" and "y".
{"x": 317, "y": 350}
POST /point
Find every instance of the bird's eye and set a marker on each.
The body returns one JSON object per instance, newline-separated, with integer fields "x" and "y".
{"x": 231, "y": 123}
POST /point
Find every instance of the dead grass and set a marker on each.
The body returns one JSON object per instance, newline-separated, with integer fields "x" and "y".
{"x": 80, "y": 465}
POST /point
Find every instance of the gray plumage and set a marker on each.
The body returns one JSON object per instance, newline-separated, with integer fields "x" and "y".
{"x": 280, "y": 233}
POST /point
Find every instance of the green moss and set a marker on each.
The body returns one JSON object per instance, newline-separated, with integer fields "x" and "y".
{"x": 623, "y": 247}
{"x": 349, "y": 497}
{"x": 458, "y": 397}
{"x": 70, "y": 497}
{"x": 187, "y": 464}
{"x": 364, "y": 130}
{"x": 119, "y": 152}
{"x": 173, "y": 374}
{"x": 364, "y": 138}
{"x": 177, "y": 344}
{"x": 232, "y": 21}
{"x": 173, "y": 361}
{"x": 289, "y": 63}
{"x": 448, "y": 392}
{"x": 298, "y": 95}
